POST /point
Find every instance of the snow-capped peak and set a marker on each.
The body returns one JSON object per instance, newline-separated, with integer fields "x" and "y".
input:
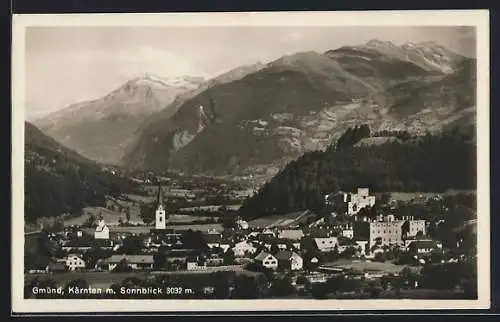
{"x": 379, "y": 43}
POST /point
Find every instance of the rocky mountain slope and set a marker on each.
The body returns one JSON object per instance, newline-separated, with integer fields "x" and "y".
{"x": 103, "y": 129}
{"x": 58, "y": 180}
{"x": 302, "y": 102}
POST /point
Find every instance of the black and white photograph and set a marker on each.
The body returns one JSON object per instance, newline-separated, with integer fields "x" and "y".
{"x": 283, "y": 161}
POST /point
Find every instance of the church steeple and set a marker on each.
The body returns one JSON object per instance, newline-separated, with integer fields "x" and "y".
{"x": 160, "y": 214}
{"x": 159, "y": 197}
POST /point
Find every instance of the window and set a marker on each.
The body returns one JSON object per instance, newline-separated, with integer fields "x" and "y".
{"x": 266, "y": 262}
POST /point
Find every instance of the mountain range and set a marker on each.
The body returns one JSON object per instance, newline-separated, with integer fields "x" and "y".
{"x": 255, "y": 119}
{"x": 104, "y": 128}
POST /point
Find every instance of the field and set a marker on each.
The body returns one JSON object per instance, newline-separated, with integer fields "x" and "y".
{"x": 407, "y": 196}
{"x": 360, "y": 265}
{"x": 209, "y": 208}
{"x": 278, "y": 220}
{"x": 146, "y": 229}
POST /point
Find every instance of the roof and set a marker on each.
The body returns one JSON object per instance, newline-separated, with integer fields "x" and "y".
{"x": 101, "y": 228}
{"x": 132, "y": 259}
{"x": 296, "y": 234}
{"x": 262, "y": 255}
{"x": 57, "y": 266}
{"x": 87, "y": 242}
{"x": 325, "y": 242}
{"x": 212, "y": 238}
{"x": 424, "y": 244}
{"x": 286, "y": 255}
{"x": 315, "y": 232}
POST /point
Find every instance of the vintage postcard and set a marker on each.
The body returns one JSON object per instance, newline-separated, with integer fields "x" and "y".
{"x": 284, "y": 161}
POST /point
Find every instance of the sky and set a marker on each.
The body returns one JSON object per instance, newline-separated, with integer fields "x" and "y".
{"x": 66, "y": 64}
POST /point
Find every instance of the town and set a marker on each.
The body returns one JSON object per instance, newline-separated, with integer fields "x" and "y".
{"x": 359, "y": 245}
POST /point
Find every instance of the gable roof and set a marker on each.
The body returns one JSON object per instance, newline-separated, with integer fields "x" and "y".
{"x": 263, "y": 255}
{"x": 131, "y": 259}
{"x": 326, "y": 242}
{"x": 100, "y": 228}
{"x": 56, "y": 266}
{"x": 212, "y": 238}
{"x": 295, "y": 234}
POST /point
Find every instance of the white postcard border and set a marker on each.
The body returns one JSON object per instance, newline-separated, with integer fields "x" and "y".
{"x": 477, "y": 18}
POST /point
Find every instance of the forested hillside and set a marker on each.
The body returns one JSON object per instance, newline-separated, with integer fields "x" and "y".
{"x": 430, "y": 163}
{"x": 59, "y": 180}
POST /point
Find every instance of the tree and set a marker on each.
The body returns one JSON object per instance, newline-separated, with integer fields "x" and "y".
{"x": 245, "y": 288}
{"x": 385, "y": 198}
{"x": 92, "y": 256}
{"x": 160, "y": 259}
{"x": 132, "y": 245}
{"x": 221, "y": 283}
{"x": 122, "y": 266}
{"x": 127, "y": 213}
{"x": 90, "y": 221}
{"x": 147, "y": 213}
{"x": 194, "y": 240}
{"x": 319, "y": 291}
{"x": 281, "y": 287}
{"x": 379, "y": 257}
{"x": 228, "y": 257}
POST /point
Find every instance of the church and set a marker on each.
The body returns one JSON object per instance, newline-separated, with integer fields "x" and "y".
{"x": 102, "y": 230}
{"x": 160, "y": 212}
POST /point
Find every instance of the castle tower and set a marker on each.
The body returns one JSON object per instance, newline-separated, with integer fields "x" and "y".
{"x": 160, "y": 210}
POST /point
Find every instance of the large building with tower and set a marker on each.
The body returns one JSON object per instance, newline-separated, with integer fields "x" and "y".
{"x": 357, "y": 201}
{"x": 389, "y": 231}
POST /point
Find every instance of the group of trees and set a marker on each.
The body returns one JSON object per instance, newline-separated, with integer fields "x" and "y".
{"x": 353, "y": 136}
{"x": 68, "y": 189}
{"x": 430, "y": 163}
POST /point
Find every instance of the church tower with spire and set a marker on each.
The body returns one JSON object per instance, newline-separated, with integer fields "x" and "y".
{"x": 160, "y": 210}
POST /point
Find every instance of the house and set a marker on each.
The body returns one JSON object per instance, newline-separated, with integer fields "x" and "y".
{"x": 196, "y": 263}
{"x": 318, "y": 232}
{"x": 361, "y": 244}
{"x": 135, "y": 262}
{"x": 289, "y": 260}
{"x": 86, "y": 242}
{"x": 317, "y": 278}
{"x": 75, "y": 262}
{"x": 102, "y": 230}
{"x": 326, "y": 244}
{"x": 293, "y": 234}
{"x": 266, "y": 260}
{"x": 244, "y": 248}
{"x": 357, "y": 201}
{"x": 345, "y": 243}
{"x": 347, "y": 231}
{"x": 215, "y": 240}
{"x": 242, "y": 224}
{"x": 424, "y": 246}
